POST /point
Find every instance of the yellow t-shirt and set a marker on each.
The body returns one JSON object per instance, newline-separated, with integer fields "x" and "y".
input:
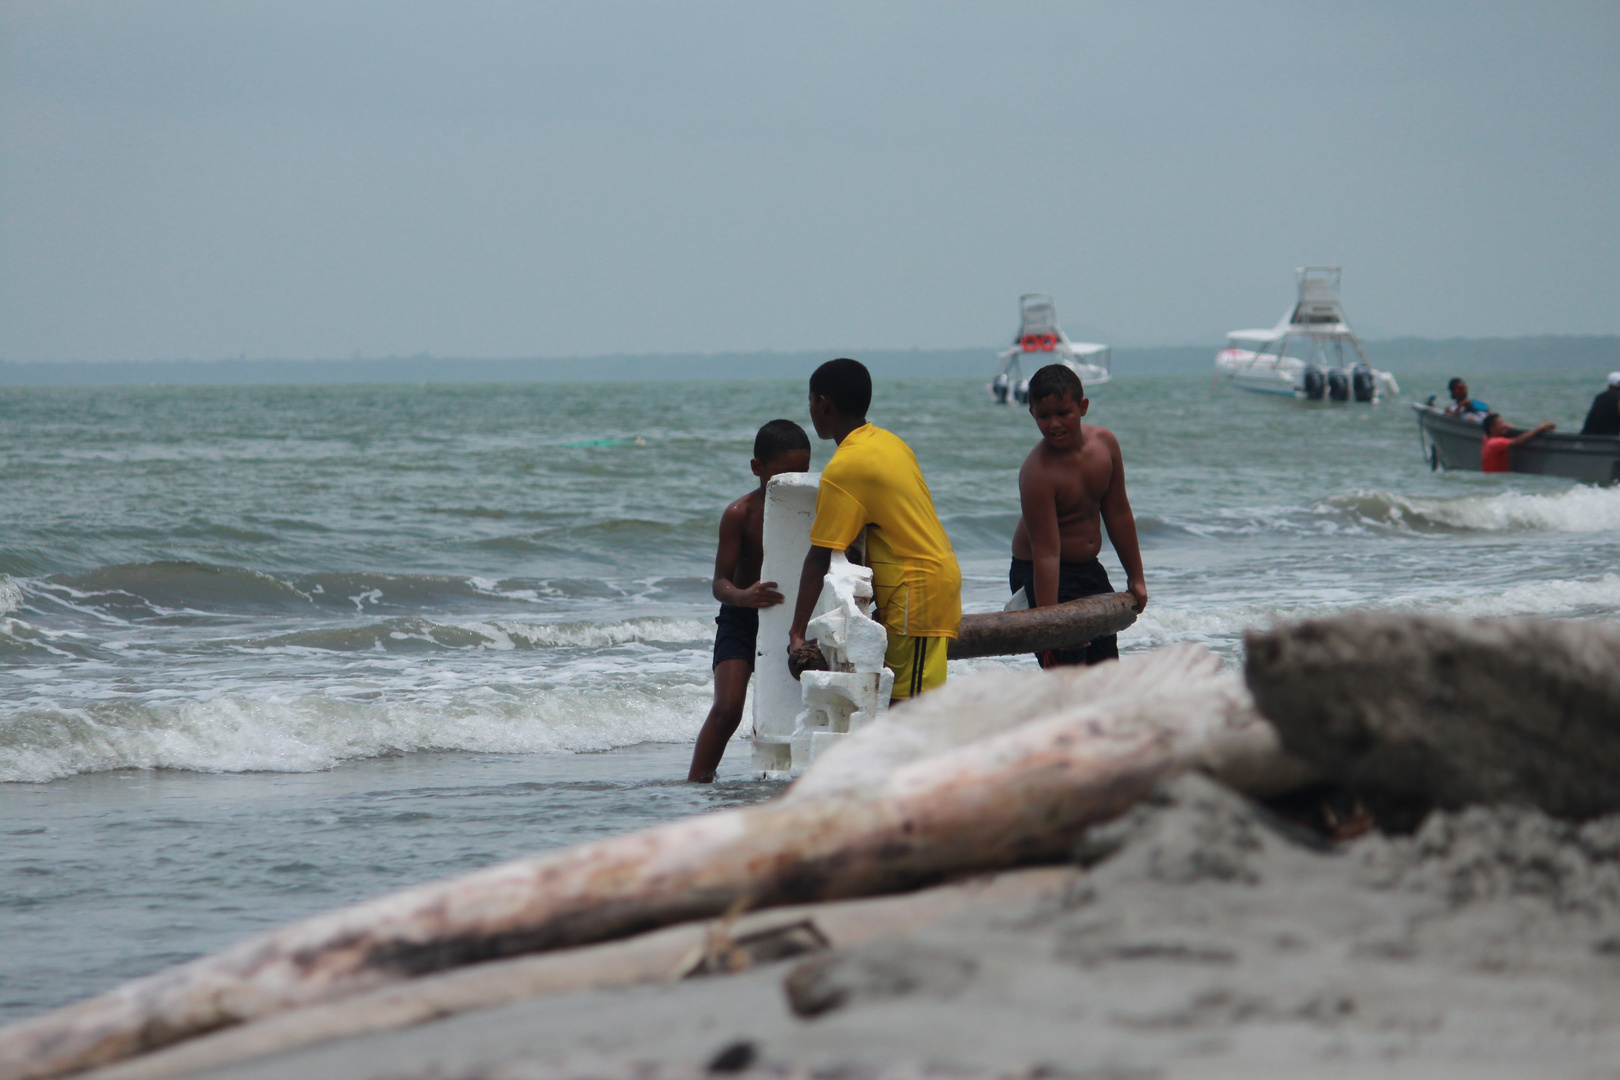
{"x": 873, "y": 479}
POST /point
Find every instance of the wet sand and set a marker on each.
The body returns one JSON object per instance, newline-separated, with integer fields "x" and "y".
{"x": 1206, "y": 939}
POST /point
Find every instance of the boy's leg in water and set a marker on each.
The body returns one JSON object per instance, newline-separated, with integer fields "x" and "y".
{"x": 730, "y": 691}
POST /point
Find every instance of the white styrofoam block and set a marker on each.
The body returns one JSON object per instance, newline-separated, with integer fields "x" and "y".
{"x": 843, "y": 627}
{"x": 809, "y": 745}
{"x": 794, "y": 721}
{"x": 790, "y": 507}
{"x": 772, "y": 758}
{"x": 832, "y": 700}
{"x": 885, "y": 691}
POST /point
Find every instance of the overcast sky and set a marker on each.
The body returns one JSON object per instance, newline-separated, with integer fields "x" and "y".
{"x": 211, "y": 179}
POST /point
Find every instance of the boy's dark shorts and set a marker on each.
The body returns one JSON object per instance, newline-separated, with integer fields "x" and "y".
{"x": 1074, "y": 581}
{"x": 738, "y": 631}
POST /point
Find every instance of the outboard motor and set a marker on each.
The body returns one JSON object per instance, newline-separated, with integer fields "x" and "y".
{"x": 1315, "y": 382}
{"x": 1362, "y": 383}
{"x": 1021, "y": 392}
{"x": 1338, "y": 385}
{"x": 998, "y": 389}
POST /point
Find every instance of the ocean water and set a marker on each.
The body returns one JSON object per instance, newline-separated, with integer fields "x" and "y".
{"x": 266, "y": 650}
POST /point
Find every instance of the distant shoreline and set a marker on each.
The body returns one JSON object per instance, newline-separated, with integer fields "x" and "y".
{"x": 1598, "y": 352}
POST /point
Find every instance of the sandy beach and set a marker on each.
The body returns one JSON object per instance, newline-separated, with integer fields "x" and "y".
{"x": 1209, "y": 938}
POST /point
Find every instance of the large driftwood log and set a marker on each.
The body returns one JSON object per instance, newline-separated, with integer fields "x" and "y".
{"x": 1419, "y": 712}
{"x": 910, "y": 800}
{"x": 1007, "y": 633}
{"x": 1061, "y": 626}
{"x": 670, "y": 953}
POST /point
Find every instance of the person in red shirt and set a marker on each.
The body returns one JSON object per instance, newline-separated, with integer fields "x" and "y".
{"x": 1496, "y": 455}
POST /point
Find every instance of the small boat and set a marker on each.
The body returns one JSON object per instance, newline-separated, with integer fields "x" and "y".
{"x": 1041, "y": 341}
{"x": 1258, "y": 360}
{"x": 1451, "y": 442}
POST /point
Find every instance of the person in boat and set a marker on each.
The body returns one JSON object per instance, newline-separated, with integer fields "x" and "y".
{"x": 1463, "y": 406}
{"x": 1497, "y": 453}
{"x": 1604, "y": 416}
{"x": 873, "y": 483}
{"x": 1070, "y": 487}
{"x": 780, "y": 447}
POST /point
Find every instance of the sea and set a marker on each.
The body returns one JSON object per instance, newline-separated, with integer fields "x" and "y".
{"x": 269, "y": 650}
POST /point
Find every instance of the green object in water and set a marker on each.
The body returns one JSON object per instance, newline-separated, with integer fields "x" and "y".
{"x": 637, "y": 441}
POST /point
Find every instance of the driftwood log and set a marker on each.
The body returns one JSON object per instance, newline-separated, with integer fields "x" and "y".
{"x": 1007, "y": 633}
{"x": 662, "y": 955}
{"x": 1061, "y": 626}
{"x": 1414, "y": 712}
{"x": 930, "y": 792}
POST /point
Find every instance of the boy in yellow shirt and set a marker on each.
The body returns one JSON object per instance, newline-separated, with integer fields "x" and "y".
{"x": 873, "y": 483}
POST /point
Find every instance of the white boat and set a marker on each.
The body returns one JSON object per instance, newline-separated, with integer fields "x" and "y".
{"x": 1041, "y": 341}
{"x": 1260, "y": 360}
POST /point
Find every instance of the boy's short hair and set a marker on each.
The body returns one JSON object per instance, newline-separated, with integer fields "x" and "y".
{"x": 1488, "y": 419}
{"x": 1452, "y": 385}
{"x": 846, "y": 383}
{"x": 777, "y": 438}
{"x": 1055, "y": 380}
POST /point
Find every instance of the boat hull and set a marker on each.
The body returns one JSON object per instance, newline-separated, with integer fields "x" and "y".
{"x": 1453, "y": 443}
{"x": 1278, "y": 385}
{"x": 1288, "y": 376}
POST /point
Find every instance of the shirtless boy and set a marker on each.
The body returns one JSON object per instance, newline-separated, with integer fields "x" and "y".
{"x": 780, "y": 447}
{"x": 1071, "y": 485}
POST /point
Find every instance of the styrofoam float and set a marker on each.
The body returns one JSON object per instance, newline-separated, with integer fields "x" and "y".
{"x": 795, "y": 721}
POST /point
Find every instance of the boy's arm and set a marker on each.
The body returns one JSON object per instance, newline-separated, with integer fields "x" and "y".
{"x": 817, "y": 561}
{"x": 1525, "y": 436}
{"x": 733, "y": 531}
{"x": 1038, "y": 500}
{"x": 1121, "y": 525}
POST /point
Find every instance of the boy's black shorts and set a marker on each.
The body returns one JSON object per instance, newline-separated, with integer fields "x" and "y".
{"x": 738, "y": 631}
{"x": 1074, "y": 581}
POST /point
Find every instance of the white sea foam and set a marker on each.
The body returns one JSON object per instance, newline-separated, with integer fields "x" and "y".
{"x": 1599, "y": 595}
{"x": 594, "y": 635}
{"x": 497, "y": 634}
{"x": 240, "y": 733}
{"x": 1577, "y": 510}
{"x": 11, "y": 595}
{"x": 1221, "y": 625}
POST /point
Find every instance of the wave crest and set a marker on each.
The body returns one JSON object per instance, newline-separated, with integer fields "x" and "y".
{"x": 11, "y": 595}
{"x": 233, "y": 733}
{"x": 417, "y": 633}
{"x": 1577, "y": 510}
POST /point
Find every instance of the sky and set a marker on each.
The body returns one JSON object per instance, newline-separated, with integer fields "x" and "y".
{"x": 325, "y": 180}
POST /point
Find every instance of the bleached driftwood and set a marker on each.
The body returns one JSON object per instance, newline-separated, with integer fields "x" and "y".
{"x": 660, "y": 955}
{"x": 1001, "y": 770}
{"x": 1414, "y": 712}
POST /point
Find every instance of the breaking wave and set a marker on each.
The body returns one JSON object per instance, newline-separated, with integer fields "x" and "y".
{"x": 133, "y": 592}
{"x": 1577, "y": 510}
{"x": 417, "y": 634}
{"x": 11, "y": 595}
{"x": 1221, "y": 626}
{"x": 314, "y": 731}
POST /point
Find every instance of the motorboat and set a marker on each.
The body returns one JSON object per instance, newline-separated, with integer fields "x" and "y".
{"x": 1041, "y": 341}
{"x": 1455, "y": 442}
{"x": 1261, "y": 361}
